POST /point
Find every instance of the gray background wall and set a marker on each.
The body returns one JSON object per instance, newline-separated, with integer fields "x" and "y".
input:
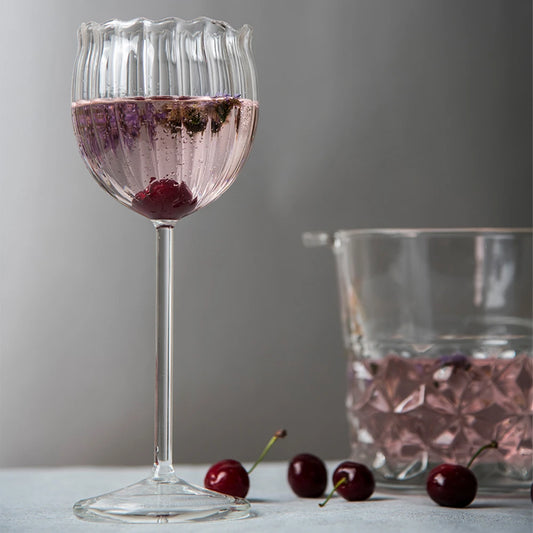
{"x": 374, "y": 113}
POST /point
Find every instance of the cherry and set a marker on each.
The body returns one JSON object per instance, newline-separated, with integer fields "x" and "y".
{"x": 307, "y": 475}
{"x": 353, "y": 481}
{"x": 164, "y": 199}
{"x": 452, "y": 485}
{"x": 230, "y": 477}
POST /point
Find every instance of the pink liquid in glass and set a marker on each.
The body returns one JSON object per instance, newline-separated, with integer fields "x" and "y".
{"x": 165, "y": 157}
{"x": 408, "y": 414}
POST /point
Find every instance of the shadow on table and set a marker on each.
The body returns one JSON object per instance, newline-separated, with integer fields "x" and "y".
{"x": 318, "y": 500}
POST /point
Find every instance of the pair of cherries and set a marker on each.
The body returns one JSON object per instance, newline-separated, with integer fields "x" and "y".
{"x": 308, "y": 478}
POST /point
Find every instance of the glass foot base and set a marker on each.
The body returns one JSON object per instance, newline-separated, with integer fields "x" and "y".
{"x": 160, "y": 502}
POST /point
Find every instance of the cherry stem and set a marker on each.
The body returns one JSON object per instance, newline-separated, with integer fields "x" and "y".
{"x": 341, "y": 481}
{"x": 280, "y": 434}
{"x": 492, "y": 444}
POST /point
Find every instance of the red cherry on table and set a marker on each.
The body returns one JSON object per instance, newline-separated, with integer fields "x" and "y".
{"x": 353, "y": 481}
{"x": 452, "y": 485}
{"x": 228, "y": 477}
{"x": 359, "y": 481}
{"x": 307, "y": 475}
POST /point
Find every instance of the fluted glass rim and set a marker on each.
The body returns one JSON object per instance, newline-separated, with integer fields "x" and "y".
{"x": 154, "y": 23}
{"x": 139, "y": 57}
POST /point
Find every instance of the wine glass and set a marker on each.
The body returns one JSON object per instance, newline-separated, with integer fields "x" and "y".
{"x": 165, "y": 113}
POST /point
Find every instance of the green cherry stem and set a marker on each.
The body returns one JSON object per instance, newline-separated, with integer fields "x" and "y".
{"x": 492, "y": 444}
{"x": 280, "y": 434}
{"x": 341, "y": 481}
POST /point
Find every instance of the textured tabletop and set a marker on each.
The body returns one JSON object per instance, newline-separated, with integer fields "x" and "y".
{"x": 41, "y": 500}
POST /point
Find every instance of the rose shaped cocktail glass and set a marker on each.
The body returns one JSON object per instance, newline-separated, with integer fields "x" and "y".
{"x": 164, "y": 113}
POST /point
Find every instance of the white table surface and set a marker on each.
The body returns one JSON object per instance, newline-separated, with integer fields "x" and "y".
{"x": 41, "y": 500}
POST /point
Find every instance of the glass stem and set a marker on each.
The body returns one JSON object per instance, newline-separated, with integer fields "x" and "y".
{"x": 163, "y": 385}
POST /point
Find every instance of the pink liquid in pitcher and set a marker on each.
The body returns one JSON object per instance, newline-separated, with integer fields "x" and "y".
{"x": 165, "y": 157}
{"x": 408, "y": 414}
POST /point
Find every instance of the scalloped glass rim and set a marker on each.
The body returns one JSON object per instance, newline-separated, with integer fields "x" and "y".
{"x": 126, "y": 24}
{"x": 170, "y": 56}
